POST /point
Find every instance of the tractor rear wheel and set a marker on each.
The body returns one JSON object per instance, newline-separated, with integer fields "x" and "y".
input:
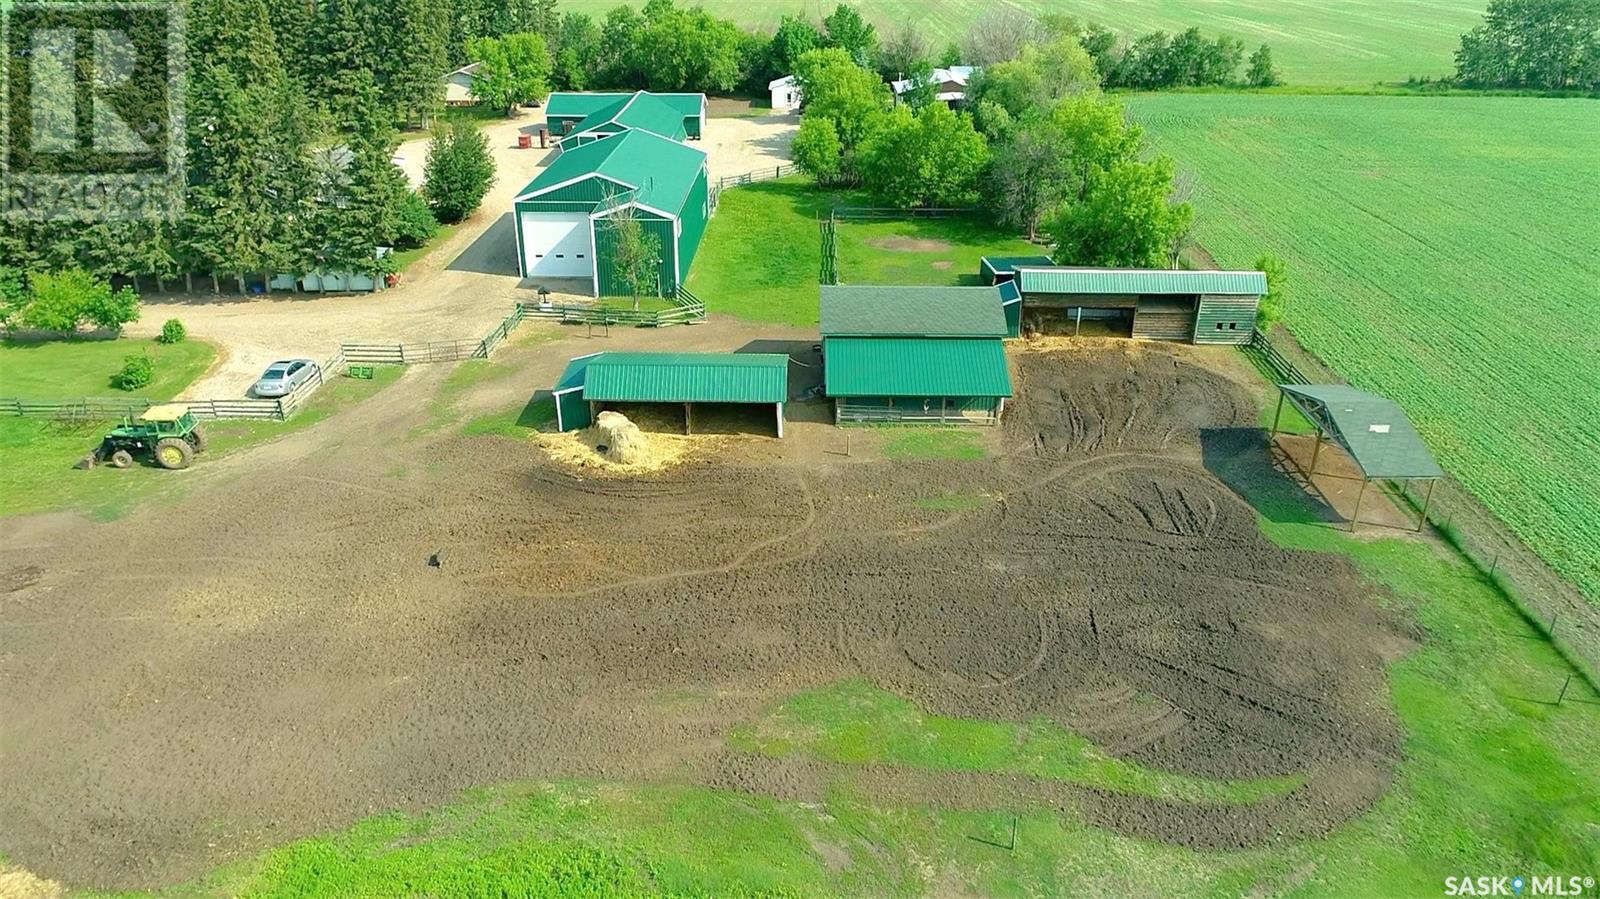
{"x": 173, "y": 453}
{"x": 122, "y": 459}
{"x": 197, "y": 438}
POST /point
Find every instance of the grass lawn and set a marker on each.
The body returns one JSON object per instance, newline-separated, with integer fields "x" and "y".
{"x": 39, "y": 454}
{"x": 404, "y": 259}
{"x": 1445, "y": 252}
{"x": 1351, "y": 42}
{"x": 857, "y": 723}
{"x": 70, "y": 369}
{"x": 1493, "y": 780}
{"x": 929, "y": 442}
{"x": 762, "y": 254}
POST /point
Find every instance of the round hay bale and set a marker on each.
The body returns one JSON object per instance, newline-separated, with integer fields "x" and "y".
{"x": 618, "y": 439}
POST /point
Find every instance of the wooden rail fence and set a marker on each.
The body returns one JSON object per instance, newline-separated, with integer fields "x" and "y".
{"x": 768, "y": 174}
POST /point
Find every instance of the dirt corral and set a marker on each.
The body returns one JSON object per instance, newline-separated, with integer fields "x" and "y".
{"x": 274, "y": 655}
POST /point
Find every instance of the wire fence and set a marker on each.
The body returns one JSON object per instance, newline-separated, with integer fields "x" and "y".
{"x": 1549, "y": 602}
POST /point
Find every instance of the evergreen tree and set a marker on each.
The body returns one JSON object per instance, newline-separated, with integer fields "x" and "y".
{"x": 361, "y": 204}
{"x": 247, "y": 143}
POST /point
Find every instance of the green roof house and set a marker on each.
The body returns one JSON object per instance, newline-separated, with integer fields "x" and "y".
{"x": 570, "y": 113}
{"x": 914, "y": 354}
{"x": 564, "y": 219}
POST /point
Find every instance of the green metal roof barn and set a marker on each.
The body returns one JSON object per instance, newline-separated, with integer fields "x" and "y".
{"x": 564, "y": 218}
{"x": 566, "y": 110}
{"x": 1145, "y": 304}
{"x": 639, "y": 112}
{"x": 914, "y": 354}
{"x": 687, "y": 378}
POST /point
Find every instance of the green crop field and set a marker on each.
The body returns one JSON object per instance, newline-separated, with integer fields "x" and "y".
{"x": 1315, "y": 42}
{"x": 1445, "y": 252}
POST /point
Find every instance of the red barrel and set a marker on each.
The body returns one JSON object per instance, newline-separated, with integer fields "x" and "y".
{"x": 524, "y": 141}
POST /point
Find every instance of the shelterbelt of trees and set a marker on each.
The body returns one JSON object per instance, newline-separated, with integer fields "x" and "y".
{"x": 293, "y": 110}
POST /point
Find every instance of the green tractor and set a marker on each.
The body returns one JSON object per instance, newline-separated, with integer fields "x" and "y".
{"x": 168, "y": 434}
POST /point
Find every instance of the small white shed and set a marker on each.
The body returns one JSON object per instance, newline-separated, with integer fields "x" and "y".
{"x": 458, "y": 86}
{"x": 785, "y": 94}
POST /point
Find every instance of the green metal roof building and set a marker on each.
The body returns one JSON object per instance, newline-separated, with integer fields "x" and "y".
{"x": 1373, "y": 429}
{"x": 638, "y": 112}
{"x": 998, "y": 269}
{"x": 593, "y": 381}
{"x": 914, "y": 354}
{"x": 1145, "y": 304}
{"x": 564, "y": 218}
{"x": 566, "y": 111}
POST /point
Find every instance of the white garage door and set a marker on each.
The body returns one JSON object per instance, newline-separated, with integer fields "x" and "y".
{"x": 556, "y": 245}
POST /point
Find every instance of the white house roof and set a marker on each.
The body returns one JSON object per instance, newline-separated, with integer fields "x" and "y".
{"x": 958, "y": 74}
{"x": 785, "y": 81}
{"x": 470, "y": 68}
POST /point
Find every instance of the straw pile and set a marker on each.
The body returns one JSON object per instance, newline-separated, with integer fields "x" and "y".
{"x": 616, "y": 445}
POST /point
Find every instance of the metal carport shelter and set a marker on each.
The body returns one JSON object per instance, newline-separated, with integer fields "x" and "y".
{"x": 1372, "y": 429}
{"x": 687, "y": 378}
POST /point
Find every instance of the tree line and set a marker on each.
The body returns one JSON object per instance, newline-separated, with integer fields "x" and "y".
{"x": 1551, "y": 45}
{"x": 291, "y": 137}
{"x": 1039, "y": 147}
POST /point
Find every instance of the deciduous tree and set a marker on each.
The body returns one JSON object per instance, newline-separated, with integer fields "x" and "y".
{"x": 929, "y": 158}
{"x": 846, "y": 30}
{"x": 1125, "y": 220}
{"x": 853, "y": 99}
{"x": 459, "y": 171}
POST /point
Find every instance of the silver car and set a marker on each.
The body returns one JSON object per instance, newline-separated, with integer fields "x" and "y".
{"x": 284, "y": 377}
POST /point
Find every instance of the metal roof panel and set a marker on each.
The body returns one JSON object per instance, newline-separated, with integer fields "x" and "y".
{"x": 1374, "y": 429}
{"x": 865, "y": 311}
{"x": 915, "y": 366}
{"x": 687, "y": 378}
{"x": 1068, "y": 279}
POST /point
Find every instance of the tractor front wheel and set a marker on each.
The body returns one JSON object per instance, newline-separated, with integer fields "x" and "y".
{"x": 122, "y": 459}
{"x": 197, "y": 438}
{"x": 174, "y": 453}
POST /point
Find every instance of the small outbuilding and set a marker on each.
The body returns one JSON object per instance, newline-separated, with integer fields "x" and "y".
{"x": 914, "y": 354}
{"x": 566, "y": 110}
{"x": 1144, "y": 304}
{"x": 458, "y": 86}
{"x": 785, "y": 93}
{"x": 1372, "y": 429}
{"x": 998, "y": 269}
{"x": 564, "y": 220}
{"x": 591, "y": 383}
{"x": 640, "y": 112}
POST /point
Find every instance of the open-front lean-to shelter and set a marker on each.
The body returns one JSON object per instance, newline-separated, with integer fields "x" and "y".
{"x": 1145, "y": 304}
{"x": 565, "y": 219}
{"x": 914, "y": 354}
{"x": 566, "y": 111}
{"x": 1373, "y": 430}
{"x": 591, "y": 383}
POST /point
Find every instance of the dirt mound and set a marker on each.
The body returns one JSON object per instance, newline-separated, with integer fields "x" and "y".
{"x": 1093, "y": 396}
{"x": 313, "y": 669}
